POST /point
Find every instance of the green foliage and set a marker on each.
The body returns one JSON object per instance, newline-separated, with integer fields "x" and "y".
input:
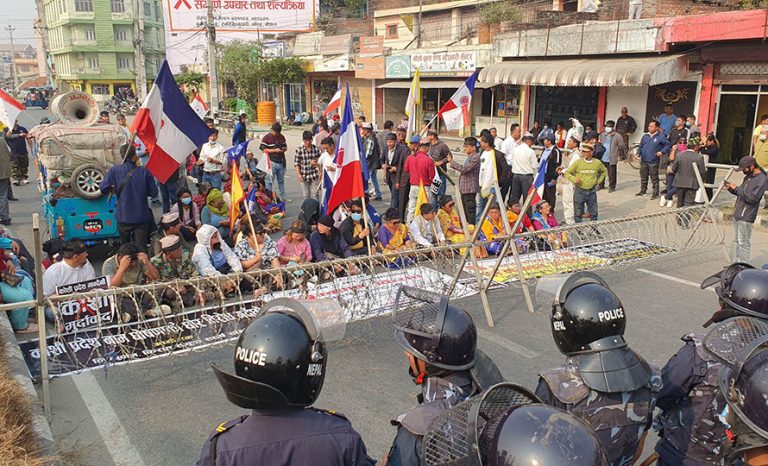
{"x": 283, "y": 70}
{"x": 497, "y": 12}
{"x": 326, "y": 22}
{"x": 230, "y": 103}
{"x": 753, "y": 4}
{"x": 344, "y": 8}
{"x": 239, "y": 62}
{"x": 191, "y": 81}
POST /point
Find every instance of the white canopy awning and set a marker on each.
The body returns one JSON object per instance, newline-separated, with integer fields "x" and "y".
{"x": 620, "y": 72}
{"x": 433, "y": 84}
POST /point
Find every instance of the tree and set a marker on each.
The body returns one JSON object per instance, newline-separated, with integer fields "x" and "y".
{"x": 283, "y": 70}
{"x": 191, "y": 81}
{"x": 240, "y": 62}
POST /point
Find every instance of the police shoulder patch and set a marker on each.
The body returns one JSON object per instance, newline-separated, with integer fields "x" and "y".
{"x": 329, "y": 412}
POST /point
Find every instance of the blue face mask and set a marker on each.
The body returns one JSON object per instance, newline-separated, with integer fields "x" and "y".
{"x": 186, "y": 200}
{"x": 356, "y": 216}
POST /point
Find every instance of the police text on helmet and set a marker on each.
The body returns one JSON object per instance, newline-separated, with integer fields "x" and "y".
{"x": 610, "y": 315}
{"x": 250, "y": 356}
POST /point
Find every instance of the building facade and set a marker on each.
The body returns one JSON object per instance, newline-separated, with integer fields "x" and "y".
{"x": 92, "y": 43}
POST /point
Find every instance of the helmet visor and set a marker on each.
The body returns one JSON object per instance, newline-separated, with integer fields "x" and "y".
{"x": 324, "y": 318}
{"x": 726, "y": 340}
{"x": 725, "y": 276}
{"x": 553, "y": 289}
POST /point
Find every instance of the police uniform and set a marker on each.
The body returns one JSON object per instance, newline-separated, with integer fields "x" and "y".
{"x": 690, "y": 431}
{"x": 286, "y": 437}
{"x": 438, "y": 394}
{"x": 619, "y": 419}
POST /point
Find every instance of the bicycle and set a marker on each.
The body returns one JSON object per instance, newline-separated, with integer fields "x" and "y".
{"x": 632, "y": 156}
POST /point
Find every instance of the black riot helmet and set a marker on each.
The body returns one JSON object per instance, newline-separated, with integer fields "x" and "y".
{"x": 743, "y": 290}
{"x": 741, "y": 345}
{"x": 280, "y": 358}
{"x": 432, "y": 330}
{"x": 507, "y": 425}
{"x": 588, "y": 321}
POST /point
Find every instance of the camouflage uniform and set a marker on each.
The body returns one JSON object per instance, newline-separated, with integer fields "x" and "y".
{"x": 438, "y": 394}
{"x": 690, "y": 430}
{"x": 183, "y": 270}
{"x": 619, "y": 419}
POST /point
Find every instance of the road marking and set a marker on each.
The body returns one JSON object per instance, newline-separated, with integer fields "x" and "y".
{"x": 674, "y": 279}
{"x": 110, "y": 428}
{"x": 507, "y": 344}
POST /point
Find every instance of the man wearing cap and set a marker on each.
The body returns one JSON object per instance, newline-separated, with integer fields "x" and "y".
{"x": 393, "y": 153}
{"x": 305, "y": 162}
{"x": 421, "y": 169}
{"x": 274, "y": 146}
{"x": 439, "y": 152}
{"x": 586, "y": 174}
{"x": 169, "y": 225}
{"x": 524, "y": 167}
{"x": 372, "y": 153}
{"x": 173, "y": 262}
{"x": 327, "y": 242}
{"x": 748, "y": 197}
{"x": 572, "y": 144}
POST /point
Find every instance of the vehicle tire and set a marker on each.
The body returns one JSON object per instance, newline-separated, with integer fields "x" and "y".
{"x": 86, "y": 179}
{"x": 633, "y": 157}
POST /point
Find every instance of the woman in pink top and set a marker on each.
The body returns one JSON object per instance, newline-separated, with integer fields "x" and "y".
{"x": 293, "y": 247}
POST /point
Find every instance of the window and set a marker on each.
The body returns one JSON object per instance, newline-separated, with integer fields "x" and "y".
{"x": 89, "y": 34}
{"x": 62, "y": 6}
{"x": 83, "y": 5}
{"x": 118, "y": 6}
{"x": 391, "y": 31}
{"x": 158, "y": 12}
{"x": 100, "y": 89}
{"x": 121, "y": 35}
{"x": 93, "y": 63}
{"x": 147, "y": 9}
{"x": 123, "y": 63}
{"x": 24, "y": 68}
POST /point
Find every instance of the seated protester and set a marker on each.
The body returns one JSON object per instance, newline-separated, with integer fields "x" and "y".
{"x": 169, "y": 225}
{"x": 342, "y": 212}
{"x": 173, "y": 262}
{"x": 425, "y": 229}
{"x": 202, "y": 195}
{"x": 354, "y": 232}
{"x": 374, "y": 219}
{"x": 216, "y": 213}
{"x": 293, "y": 247}
{"x": 256, "y": 250}
{"x": 211, "y": 256}
{"x": 129, "y": 267}
{"x": 309, "y": 214}
{"x": 327, "y": 242}
{"x": 513, "y": 211}
{"x": 52, "y": 249}
{"x": 188, "y": 212}
{"x": 269, "y": 204}
{"x": 15, "y": 288}
{"x": 544, "y": 219}
{"x": 491, "y": 228}
{"x": 393, "y": 235}
{"x": 25, "y": 261}
{"x": 449, "y": 219}
{"x": 73, "y": 267}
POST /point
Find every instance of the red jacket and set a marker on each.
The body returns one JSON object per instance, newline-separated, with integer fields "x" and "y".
{"x": 421, "y": 168}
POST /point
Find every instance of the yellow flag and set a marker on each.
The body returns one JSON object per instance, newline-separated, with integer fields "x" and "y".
{"x": 421, "y": 199}
{"x": 414, "y": 101}
{"x": 237, "y": 195}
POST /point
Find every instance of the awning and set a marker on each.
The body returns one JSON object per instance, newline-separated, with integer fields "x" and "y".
{"x": 433, "y": 84}
{"x": 621, "y": 72}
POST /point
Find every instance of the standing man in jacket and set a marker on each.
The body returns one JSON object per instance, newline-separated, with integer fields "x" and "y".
{"x": 438, "y": 152}
{"x": 552, "y": 156}
{"x": 240, "y": 132}
{"x": 614, "y": 145}
{"x": 5, "y": 183}
{"x": 372, "y": 154}
{"x": 653, "y": 146}
{"x": 685, "y": 177}
{"x": 422, "y": 170}
{"x": 274, "y": 146}
{"x": 586, "y": 174}
{"x": 16, "y": 138}
{"x": 625, "y": 125}
{"x": 469, "y": 178}
{"x": 394, "y": 152}
{"x": 748, "y": 197}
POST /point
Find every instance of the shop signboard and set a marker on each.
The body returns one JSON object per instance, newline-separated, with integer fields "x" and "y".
{"x": 340, "y": 63}
{"x": 369, "y": 67}
{"x": 457, "y": 64}
{"x": 398, "y": 67}
{"x": 371, "y": 44}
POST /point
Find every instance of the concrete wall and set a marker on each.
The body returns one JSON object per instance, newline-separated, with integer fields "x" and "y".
{"x": 634, "y": 98}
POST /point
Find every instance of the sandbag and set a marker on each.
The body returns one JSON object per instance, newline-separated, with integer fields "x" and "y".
{"x": 65, "y": 147}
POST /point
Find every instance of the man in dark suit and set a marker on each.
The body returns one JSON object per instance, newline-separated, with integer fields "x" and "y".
{"x": 394, "y": 151}
{"x": 686, "y": 181}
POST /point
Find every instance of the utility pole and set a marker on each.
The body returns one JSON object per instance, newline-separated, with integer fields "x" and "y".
{"x": 138, "y": 47}
{"x": 212, "y": 71}
{"x": 418, "y": 25}
{"x": 42, "y": 29}
{"x": 11, "y": 30}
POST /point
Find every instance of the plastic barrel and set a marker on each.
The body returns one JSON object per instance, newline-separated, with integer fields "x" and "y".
{"x": 265, "y": 113}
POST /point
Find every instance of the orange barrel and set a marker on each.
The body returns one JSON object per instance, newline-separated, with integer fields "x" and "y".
{"x": 265, "y": 113}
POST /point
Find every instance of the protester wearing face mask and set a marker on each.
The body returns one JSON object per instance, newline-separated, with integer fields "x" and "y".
{"x": 355, "y": 233}
{"x": 212, "y": 256}
{"x": 189, "y": 214}
{"x": 614, "y": 147}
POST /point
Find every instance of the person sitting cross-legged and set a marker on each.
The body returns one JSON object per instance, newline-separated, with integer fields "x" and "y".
{"x": 544, "y": 219}
{"x": 491, "y": 228}
{"x": 257, "y": 251}
{"x": 328, "y": 244}
{"x": 173, "y": 262}
{"x": 425, "y": 229}
{"x": 354, "y": 231}
{"x": 130, "y": 267}
{"x": 170, "y": 224}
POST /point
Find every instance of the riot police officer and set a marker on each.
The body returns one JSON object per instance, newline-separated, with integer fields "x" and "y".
{"x": 280, "y": 366}
{"x": 604, "y": 382}
{"x": 508, "y": 426}
{"x": 689, "y": 426}
{"x": 440, "y": 342}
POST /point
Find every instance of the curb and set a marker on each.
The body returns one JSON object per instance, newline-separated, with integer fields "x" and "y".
{"x": 18, "y": 369}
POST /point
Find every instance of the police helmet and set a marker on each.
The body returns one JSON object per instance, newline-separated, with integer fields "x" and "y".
{"x": 507, "y": 425}
{"x": 745, "y": 387}
{"x": 426, "y": 326}
{"x": 743, "y": 290}
{"x": 588, "y": 321}
{"x": 280, "y": 358}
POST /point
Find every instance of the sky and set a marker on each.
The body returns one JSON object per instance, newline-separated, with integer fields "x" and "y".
{"x": 19, "y": 14}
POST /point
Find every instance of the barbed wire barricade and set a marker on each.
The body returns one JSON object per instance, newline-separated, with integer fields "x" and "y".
{"x": 106, "y": 327}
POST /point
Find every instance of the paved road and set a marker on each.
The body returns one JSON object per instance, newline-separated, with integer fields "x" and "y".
{"x": 159, "y": 412}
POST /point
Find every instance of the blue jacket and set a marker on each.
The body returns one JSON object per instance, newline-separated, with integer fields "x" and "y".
{"x": 649, "y": 145}
{"x": 238, "y": 134}
{"x": 132, "y": 206}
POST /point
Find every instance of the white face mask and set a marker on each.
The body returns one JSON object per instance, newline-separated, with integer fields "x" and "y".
{"x": 608, "y": 129}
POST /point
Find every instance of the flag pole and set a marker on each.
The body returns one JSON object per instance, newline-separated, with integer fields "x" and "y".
{"x": 430, "y": 122}
{"x": 253, "y": 230}
{"x": 365, "y": 225}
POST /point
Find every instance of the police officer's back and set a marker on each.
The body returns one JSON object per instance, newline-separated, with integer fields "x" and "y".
{"x": 441, "y": 344}
{"x": 690, "y": 428}
{"x": 604, "y": 382}
{"x": 280, "y": 364}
